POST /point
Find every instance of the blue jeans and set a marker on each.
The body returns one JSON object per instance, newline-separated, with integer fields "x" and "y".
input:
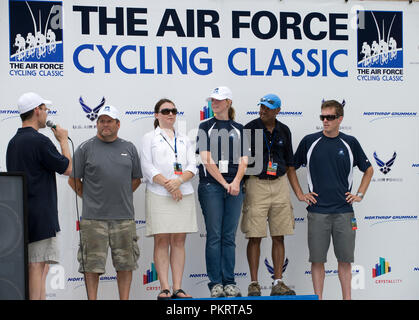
{"x": 221, "y": 213}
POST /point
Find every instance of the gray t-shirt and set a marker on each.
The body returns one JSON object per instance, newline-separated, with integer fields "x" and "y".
{"x": 107, "y": 170}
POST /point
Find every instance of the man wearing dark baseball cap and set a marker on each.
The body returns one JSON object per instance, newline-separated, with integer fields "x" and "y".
{"x": 34, "y": 154}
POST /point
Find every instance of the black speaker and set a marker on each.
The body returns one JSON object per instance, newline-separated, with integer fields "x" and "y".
{"x": 13, "y": 237}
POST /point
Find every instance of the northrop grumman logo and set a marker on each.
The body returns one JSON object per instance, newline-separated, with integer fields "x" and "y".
{"x": 380, "y": 46}
{"x": 36, "y": 38}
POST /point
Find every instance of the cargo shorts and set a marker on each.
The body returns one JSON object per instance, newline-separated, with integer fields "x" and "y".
{"x": 338, "y": 226}
{"x": 96, "y": 238}
{"x": 267, "y": 202}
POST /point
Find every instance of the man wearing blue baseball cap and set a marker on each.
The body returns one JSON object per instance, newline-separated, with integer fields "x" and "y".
{"x": 267, "y": 196}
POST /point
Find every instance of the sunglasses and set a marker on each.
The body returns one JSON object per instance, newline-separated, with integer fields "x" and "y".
{"x": 267, "y": 100}
{"x": 328, "y": 117}
{"x": 167, "y": 111}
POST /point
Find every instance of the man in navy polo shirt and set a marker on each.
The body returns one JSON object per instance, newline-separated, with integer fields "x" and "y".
{"x": 267, "y": 197}
{"x": 329, "y": 157}
{"x": 34, "y": 154}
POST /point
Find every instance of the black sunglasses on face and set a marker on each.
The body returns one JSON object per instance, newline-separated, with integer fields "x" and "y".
{"x": 328, "y": 117}
{"x": 167, "y": 111}
{"x": 267, "y": 100}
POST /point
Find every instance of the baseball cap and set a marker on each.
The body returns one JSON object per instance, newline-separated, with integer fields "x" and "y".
{"x": 271, "y": 101}
{"x": 221, "y": 93}
{"x": 29, "y": 101}
{"x": 110, "y": 111}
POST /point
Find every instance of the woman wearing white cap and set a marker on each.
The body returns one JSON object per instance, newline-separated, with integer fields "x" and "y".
{"x": 220, "y": 146}
{"x": 168, "y": 163}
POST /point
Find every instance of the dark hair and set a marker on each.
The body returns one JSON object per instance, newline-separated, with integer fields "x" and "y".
{"x": 333, "y": 104}
{"x": 157, "y": 109}
{"x": 27, "y": 115}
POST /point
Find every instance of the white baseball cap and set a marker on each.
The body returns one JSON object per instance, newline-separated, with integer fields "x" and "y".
{"x": 29, "y": 101}
{"x": 110, "y": 111}
{"x": 221, "y": 93}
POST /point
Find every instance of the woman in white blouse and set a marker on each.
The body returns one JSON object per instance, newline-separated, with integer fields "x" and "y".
{"x": 168, "y": 163}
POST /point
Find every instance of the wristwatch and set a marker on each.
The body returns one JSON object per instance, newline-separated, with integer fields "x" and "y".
{"x": 360, "y": 194}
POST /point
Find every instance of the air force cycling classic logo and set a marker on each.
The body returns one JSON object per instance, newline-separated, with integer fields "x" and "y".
{"x": 380, "y": 46}
{"x": 36, "y": 38}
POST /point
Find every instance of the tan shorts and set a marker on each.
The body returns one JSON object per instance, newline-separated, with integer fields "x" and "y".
{"x": 267, "y": 201}
{"x": 98, "y": 235}
{"x": 44, "y": 251}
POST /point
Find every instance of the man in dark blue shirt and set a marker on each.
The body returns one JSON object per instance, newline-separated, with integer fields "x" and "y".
{"x": 329, "y": 157}
{"x": 34, "y": 154}
{"x": 267, "y": 196}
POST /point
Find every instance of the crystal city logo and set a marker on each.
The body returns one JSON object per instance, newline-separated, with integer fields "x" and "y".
{"x": 380, "y": 46}
{"x": 36, "y": 38}
{"x": 382, "y": 269}
{"x": 385, "y": 166}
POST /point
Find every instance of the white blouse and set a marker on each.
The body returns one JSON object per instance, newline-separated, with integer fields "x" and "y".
{"x": 157, "y": 157}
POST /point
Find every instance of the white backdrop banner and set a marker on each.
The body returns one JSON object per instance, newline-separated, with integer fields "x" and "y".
{"x": 82, "y": 54}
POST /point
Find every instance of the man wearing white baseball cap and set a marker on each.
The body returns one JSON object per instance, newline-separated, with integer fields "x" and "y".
{"x": 107, "y": 171}
{"x": 34, "y": 154}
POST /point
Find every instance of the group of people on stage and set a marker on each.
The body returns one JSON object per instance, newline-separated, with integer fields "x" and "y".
{"x": 243, "y": 171}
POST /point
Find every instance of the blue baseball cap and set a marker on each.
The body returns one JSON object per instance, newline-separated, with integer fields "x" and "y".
{"x": 271, "y": 101}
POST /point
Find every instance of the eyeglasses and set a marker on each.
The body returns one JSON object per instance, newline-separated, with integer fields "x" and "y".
{"x": 167, "y": 111}
{"x": 267, "y": 100}
{"x": 43, "y": 109}
{"x": 328, "y": 117}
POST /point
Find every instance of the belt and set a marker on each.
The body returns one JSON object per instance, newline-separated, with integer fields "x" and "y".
{"x": 268, "y": 177}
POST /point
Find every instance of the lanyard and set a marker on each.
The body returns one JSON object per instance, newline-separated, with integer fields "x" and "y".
{"x": 269, "y": 146}
{"x": 175, "y": 149}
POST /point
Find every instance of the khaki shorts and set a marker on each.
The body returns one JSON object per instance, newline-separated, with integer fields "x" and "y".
{"x": 44, "y": 251}
{"x": 267, "y": 201}
{"x": 98, "y": 235}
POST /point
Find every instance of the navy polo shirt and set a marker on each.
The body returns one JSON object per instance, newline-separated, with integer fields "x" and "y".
{"x": 34, "y": 154}
{"x": 279, "y": 142}
{"x": 224, "y": 139}
{"x": 329, "y": 163}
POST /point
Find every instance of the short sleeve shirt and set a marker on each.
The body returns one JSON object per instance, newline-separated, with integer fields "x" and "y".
{"x": 275, "y": 147}
{"x": 107, "y": 170}
{"x": 34, "y": 154}
{"x": 225, "y": 140}
{"x": 330, "y": 163}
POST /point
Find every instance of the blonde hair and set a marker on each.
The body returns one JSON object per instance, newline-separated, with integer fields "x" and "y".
{"x": 231, "y": 111}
